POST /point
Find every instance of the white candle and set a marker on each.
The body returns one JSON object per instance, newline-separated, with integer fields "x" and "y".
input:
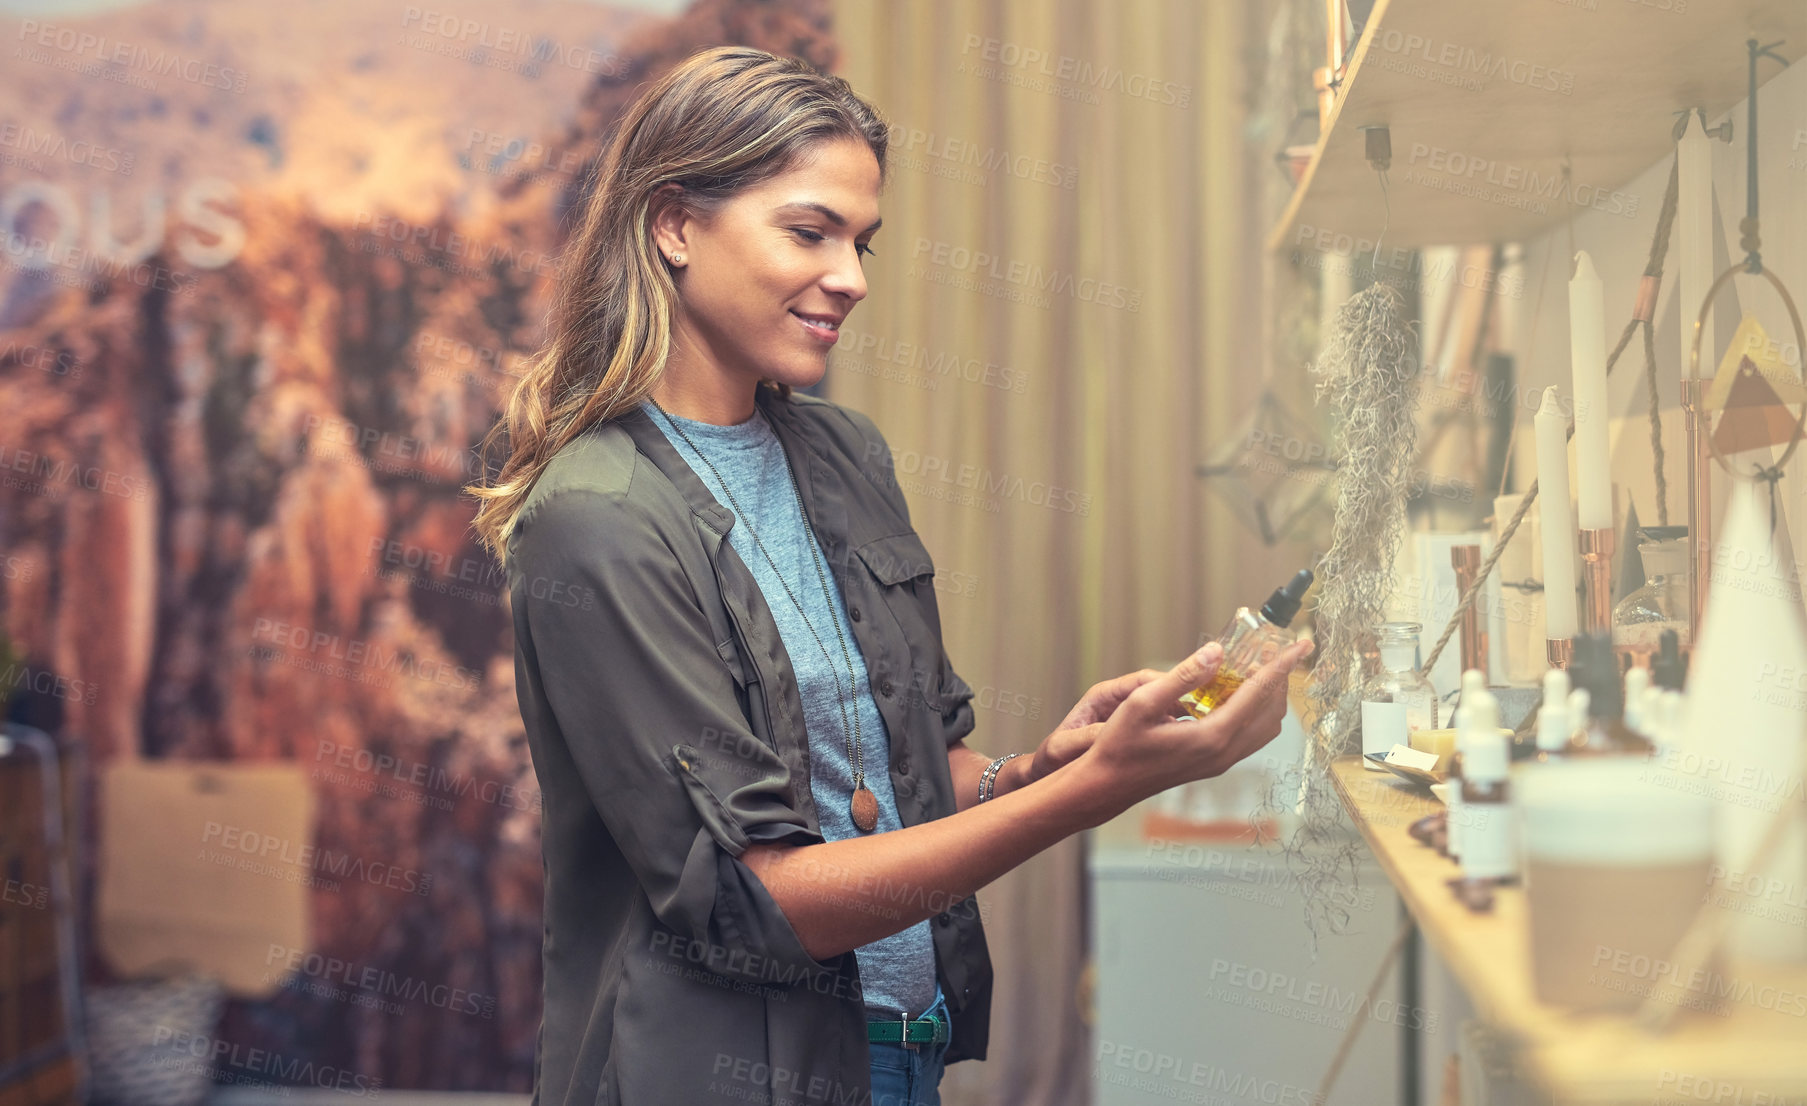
{"x": 1587, "y": 360}
{"x": 1694, "y": 239}
{"x": 1560, "y": 615}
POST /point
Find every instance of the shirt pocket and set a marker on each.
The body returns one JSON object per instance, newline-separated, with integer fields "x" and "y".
{"x": 903, "y": 574}
{"x": 749, "y": 694}
{"x": 736, "y": 663}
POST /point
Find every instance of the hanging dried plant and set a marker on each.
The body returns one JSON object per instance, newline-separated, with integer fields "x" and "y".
{"x": 1368, "y": 376}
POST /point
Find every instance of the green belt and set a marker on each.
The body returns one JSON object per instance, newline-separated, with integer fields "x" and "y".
{"x": 920, "y": 1031}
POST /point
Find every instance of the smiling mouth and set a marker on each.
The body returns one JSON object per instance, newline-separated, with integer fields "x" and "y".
{"x": 828, "y": 331}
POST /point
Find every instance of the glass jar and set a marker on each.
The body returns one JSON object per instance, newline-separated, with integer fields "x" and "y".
{"x": 1397, "y": 701}
{"x": 1661, "y": 604}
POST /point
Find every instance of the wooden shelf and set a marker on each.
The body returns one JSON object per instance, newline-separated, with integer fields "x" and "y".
{"x": 1595, "y": 1059}
{"x": 1518, "y": 89}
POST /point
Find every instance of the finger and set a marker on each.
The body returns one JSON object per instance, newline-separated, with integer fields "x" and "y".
{"x": 1268, "y": 684}
{"x": 1158, "y": 697}
{"x": 1298, "y": 651}
{"x": 1109, "y": 693}
{"x": 1273, "y": 719}
{"x": 1278, "y": 670}
{"x": 1276, "y": 690}
{"x": 1101, "y": 699}
{"x": 1247, "y": 733}
{"x": 1104, "y": 699}
{"x": 1071, "y": 743}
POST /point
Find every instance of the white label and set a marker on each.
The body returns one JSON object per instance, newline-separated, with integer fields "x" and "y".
{"x": 1412, "y": 758}
{"x": 1488, "y": 843}
{"x": 1383, "y": 726}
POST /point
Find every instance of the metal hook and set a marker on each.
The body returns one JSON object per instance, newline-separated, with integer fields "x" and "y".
{"x": 1378, "y": 148}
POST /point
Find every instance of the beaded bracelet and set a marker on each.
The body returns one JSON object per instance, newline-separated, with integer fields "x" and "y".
{"x": 989, "y": 779}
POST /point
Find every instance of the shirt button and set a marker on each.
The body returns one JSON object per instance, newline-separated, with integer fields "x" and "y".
{"x": 903, "y": 766}
{"x": 854, "y": 613}
{"x": 885, "y": 688}
{"x": 943, "y": 919}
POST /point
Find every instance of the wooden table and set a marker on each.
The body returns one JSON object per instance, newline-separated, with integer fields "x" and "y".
{"x": 1750, "y": 1052}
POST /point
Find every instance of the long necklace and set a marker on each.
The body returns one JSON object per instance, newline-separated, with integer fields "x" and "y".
{"x": 862, "y": 805}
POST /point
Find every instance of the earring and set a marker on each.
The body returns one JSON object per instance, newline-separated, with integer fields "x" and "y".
{"x": 677, "y": 259}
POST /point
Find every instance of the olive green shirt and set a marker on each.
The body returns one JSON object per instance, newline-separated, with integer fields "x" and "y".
{"x": 667, "y": 733}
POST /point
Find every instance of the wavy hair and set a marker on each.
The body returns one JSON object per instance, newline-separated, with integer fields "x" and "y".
{"x": 724, "y": 120}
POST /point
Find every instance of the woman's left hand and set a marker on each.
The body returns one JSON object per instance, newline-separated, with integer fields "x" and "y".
{"x": 1077, "y": 730}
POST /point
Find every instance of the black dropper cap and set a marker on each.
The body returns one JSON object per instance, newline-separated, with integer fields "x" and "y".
{"x": 1596, "y": 668}
{"x": 1284, "y": 603}
{"x": 1669, "y": 670}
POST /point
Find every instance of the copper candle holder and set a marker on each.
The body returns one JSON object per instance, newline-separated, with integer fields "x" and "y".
{"x": 1466, "y": 560}
{"x": 1700, "y": 493}
{"x": 1560, "y": 650}
{"x": 1597, "y": 546}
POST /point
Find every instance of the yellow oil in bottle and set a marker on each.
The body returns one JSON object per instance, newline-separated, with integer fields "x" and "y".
{"x": 1249, "y": 641}
{"x": 1202, "y": 701}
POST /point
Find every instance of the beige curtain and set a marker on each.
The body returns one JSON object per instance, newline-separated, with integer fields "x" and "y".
{"x": 1073, "y": 540}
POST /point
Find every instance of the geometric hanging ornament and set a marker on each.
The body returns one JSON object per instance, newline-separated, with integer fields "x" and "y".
{"x": 1273, "y": 472}
{"x": 1753, "y": 391}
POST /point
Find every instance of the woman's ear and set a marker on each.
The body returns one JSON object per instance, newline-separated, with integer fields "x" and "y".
{"x": 669, "y": 222}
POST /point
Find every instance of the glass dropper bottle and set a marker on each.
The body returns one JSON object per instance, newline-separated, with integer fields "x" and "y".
{"x": 1595, "y": 669}
{"x": 1248, "y": 641}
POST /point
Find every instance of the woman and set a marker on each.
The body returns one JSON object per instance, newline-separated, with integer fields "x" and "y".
{"x": 763, "y": 828}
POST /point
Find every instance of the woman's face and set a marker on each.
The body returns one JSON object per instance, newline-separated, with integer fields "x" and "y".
{"x": 768, "y": 277}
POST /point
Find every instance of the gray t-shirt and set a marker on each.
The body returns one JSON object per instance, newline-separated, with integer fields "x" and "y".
{"x": 896, "y": 972}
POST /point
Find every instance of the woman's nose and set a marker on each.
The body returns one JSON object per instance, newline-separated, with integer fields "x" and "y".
{"x": 847, "y": 278}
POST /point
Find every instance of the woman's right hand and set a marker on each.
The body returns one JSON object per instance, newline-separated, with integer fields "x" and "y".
{"x": 1142, "y": 749}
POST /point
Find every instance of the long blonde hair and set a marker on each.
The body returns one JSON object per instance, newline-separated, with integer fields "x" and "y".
{"x": 725, "y": 120}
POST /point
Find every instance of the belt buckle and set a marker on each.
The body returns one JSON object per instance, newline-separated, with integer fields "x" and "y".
{"x": 903, "y": 1017}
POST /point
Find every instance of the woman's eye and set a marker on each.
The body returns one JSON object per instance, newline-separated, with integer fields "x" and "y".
{"x": 812, "y": 237}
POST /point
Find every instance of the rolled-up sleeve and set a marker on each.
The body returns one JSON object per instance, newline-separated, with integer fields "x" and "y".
{"x": 957, "y": 719}
{"x": 631, "y": 673}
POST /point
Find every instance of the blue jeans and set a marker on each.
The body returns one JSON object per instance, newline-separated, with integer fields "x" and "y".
{"x": 909, "y": 1076}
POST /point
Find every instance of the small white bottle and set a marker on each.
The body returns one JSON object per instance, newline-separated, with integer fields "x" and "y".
{"x": 1581, "y": 700}
{"x": 1474, "y": 685}
{"x": 1554, "y": 727}
{"x": 1669, "y": 716}
{"x": 1637, "y": 682}
{"x": 1490, "y": 838}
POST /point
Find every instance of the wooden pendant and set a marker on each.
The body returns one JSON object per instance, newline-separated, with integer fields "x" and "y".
{"x": 864, "y": 807}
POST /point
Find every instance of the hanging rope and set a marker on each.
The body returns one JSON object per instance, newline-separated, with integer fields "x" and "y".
{"x": 1771, "y": 475}
{"x": 1642, "y": 316}
{"x": 1750, "y": 240}
{"x": 1480, "y": 578}
{"x": 1656, "y": 427}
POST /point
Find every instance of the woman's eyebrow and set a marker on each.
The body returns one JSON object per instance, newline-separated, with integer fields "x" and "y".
{"x": 828, "y": 213}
